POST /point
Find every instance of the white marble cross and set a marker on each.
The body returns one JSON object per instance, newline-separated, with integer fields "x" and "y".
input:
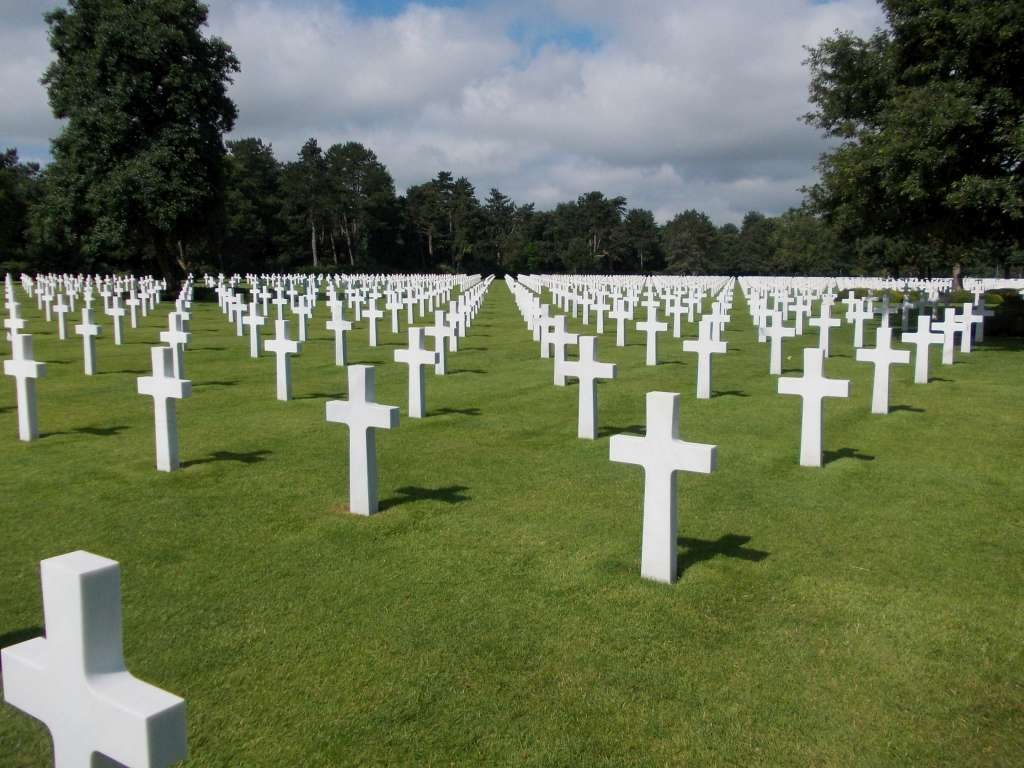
{"x": 117, "y": 312}
{"x": 812, "y": 387}
{"x": 949, "y": 326}
{"x": 776, "y": 332}
{"x": 61, "y": 309}
{"x": 652, "y": 326}
{"x": 75, "y": 681}
{"x": 560, "y": 339}
{"x": 237, "y": 310}
{"x": 254, "y": 320}
{"x": 164, "y": 387}
{"x": 704, "y": 346}
{"x": 440, "y": 331}
{"x": 416, "y": 356}
{"x": 304, "y": 311}
{"x": 340, "y": 326}
{"x": 983, "y": 311}
{"x": 282, "y": 347}
{"x": 363, "y": 417}
{"x": 176, "y": 338}
{"x": 620, "y": 315}
{"x": 967, "y": 321}
{"x": 372, "y": 314}
{"x": 883, "y": 355}
{"x": 661, "y": 453}
{"x": 25, "y": 371}
{"x": 858, "y": 315}
{"x": 133, "y": 309}
{"x": 14, "y": 322}
{"x": 587, "y": 370}
{"x": 88, "y": 331}
{"x": 824, "y": 322}
{"x": 922, "y": 338}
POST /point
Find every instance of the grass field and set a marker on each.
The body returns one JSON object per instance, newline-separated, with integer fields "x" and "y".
{"x": 869, "y": 613}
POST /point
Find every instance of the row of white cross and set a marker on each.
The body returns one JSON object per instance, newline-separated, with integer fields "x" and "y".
{"x": 661, "y": 452}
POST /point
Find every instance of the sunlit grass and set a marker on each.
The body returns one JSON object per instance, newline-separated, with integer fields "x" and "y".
{"x": 866, "y": 613}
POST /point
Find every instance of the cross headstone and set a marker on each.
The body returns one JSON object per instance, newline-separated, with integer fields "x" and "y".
{"x": 560, "y": 339}
{"x": 25, "y": 371}
{"x": 587, "y": 370}
{"x": 824, "y": 323}
{"x": 176, "y": 338}
{"x": 858, "y": 315}
{"x": 61, "y": 309}
{"x": 967, "y": 321}
{"x": 254, "y": 320}
{"x": 620, "y": 314}
{"x": 164, "y": 387}
{"x": 372, "y": 314}
{"x": 776, "y": 332}
{"x": 949, "y": 326}
{"x": 88, "y": 331}
{"x": 883, "y": 355}
{"x": 812, "y": 387}
{"x": 416, "y": 356}
{"x": 440, "y": 331}
{"x": 704, "y": 346}
{"x": 363, "y": 417}
{"x": 651, "y": 327}
{"x": 340, "y": 326}
{"x": 74, "y": 680}
{"x": 661, "y": 453}
{"x": 304, "y": 311}
{"x": 117, "y": 312}
{"x": 922, "y": 338}
{"x": 282, "y": 347}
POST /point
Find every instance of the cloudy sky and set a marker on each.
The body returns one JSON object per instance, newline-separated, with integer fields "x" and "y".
{"x": 674, "y": 104}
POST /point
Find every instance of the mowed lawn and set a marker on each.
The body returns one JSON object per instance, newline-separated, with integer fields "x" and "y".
{"x": 867, "y": 613}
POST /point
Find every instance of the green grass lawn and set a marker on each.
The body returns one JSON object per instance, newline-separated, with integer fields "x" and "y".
{"x": 868, "y": 613}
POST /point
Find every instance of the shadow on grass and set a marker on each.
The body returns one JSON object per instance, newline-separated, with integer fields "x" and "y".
{"x": 729, "y": 545}
{"x": 451, "y": 494}
{"x": 318, "y": 395}
{"x": 907, "y": 408}
{"x": 632, "y": 429}
{"x": 939, "y": 378}
{"x": 20, "y": 636}
{"x": 126, "y": 370}
{"x": 729, "y": 393}
{"x": 827, "y": 457}
{"x": 458, "y": 411}
{"x": 464, "y": 370}
{"x": 252, "y": 457}
{"x": 228, "y": 383}
{"x": 206, "y": 349}
{"x": 101, "y": 431}
{"x": 94, "y": 431}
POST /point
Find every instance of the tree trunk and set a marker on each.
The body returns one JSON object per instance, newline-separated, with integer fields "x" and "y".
{"x": 957, "y": 282}
{"x": 312, "y": 240}
{"x": 334, "y": 250}
{"x": 348, "y": 240}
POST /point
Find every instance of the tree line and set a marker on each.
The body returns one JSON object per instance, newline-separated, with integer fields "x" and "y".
{"x": 927, "y": 177}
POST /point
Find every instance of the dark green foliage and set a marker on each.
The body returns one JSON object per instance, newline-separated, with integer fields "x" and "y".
{"x": 138, "y": 168}
{"x": 19, "y": 187}
{"x": 929, "y": 173}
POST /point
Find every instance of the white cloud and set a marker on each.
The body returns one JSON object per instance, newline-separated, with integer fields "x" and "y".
{"x": 678, "y": 105}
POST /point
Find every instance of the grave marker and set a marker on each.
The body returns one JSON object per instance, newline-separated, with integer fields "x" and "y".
{"x": 75, "y": 681}
{"x": 661, "y": 453}
{"x": 363, "y": 416}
